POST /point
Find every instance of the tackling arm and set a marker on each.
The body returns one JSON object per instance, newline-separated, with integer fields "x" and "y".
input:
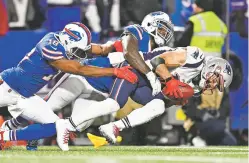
{"x": 102, "y": 49}
{"x": 131, "y": 54}
{"x": 74, "y": 67}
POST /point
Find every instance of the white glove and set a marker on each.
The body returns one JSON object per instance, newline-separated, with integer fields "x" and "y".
{"x": 154, "y": 82}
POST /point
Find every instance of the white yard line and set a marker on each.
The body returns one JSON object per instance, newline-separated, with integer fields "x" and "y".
{"x": 201, "y": 148}
{"x": 192, "y": 159}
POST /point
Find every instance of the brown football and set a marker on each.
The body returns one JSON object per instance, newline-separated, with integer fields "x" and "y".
{"x": 186, "y": 90}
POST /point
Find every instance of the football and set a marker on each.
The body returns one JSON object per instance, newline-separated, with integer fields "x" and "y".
{"x": 186, "y": 90}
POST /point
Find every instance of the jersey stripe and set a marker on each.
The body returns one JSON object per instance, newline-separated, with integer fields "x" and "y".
{"x": 139, "y": 32}
{"x": 140, "y": 28}
{"x": 71, "y": 34}
{"x": 51, "y": 52}
{"x": 51, "y": 57}
{"x": 88, "y": 33}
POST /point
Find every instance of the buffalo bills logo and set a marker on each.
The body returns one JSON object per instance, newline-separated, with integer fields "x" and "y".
{"x": 156, "y": 13}
{"x": 228, "y": 70}
{"x": 73, "y": 35}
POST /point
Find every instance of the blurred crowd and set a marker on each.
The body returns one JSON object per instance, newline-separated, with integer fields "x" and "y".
{"x": 107, "y": 17}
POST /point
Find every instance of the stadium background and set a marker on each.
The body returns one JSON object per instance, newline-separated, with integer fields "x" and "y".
{"x": 29, "y": 21}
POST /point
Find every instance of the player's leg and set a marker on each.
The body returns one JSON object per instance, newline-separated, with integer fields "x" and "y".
{"x": 155, "y": 107}
{"x": 119, "y": 94}
{"x": 81, "y": 108}
{"x": 40, "y": 131}
{"x": 67, "y": 89}
{"x": 31, "y": 132}
{"x": 7, "y": 95}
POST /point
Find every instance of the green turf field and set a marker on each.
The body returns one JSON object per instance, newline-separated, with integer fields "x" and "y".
{"x": 127, "y": 154}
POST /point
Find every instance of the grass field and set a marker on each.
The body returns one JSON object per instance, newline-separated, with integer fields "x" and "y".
{"x": 126, "y": 154}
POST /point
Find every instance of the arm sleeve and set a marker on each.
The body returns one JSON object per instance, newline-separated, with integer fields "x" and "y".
{"x": 185, "y": 39}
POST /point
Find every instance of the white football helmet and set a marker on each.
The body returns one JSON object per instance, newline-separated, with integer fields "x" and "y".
{"x": 76, "y": 39}
{"x": 216, "y": 73}
{"x": 158, "y": 25}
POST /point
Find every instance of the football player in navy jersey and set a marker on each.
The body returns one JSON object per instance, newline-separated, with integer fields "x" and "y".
{"x": 55, "y": 52}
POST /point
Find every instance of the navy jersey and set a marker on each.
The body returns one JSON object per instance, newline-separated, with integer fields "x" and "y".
{"x": 141, "y": 35}
{"x": 33, "y": 71}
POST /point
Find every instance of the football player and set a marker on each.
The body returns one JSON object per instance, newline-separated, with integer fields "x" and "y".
{"x": 189, "y": 66}
{"x": 55, "y": 52}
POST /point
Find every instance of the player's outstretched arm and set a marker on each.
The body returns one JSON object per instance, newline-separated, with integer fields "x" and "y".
{"x": 74, "y": 67}
{"x": 102, "y": 49}
{"x": 131, "y": 54}
{"x": 168, "y": 60}
{"x": 161, "y": 65}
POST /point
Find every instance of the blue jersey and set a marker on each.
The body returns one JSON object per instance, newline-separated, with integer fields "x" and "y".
{"x": 141, "y": 35}
{"x": 33, "y": 71}
{"x": 102, "y": 84}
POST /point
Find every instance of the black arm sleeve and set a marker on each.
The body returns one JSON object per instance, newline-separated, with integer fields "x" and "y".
{"x": 185, "y": 39}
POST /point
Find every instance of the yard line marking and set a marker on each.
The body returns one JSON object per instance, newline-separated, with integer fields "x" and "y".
{"x": 199, "y": 159}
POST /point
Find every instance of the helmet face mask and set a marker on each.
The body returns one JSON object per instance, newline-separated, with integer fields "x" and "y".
{"x": 216, "y": 74}
{"x": 158, "y": 25}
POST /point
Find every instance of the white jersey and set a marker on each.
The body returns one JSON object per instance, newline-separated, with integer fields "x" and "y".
{"x": 190, "y": 70}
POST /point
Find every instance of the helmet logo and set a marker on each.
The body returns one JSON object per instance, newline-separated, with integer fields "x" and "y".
{"x": 73, "y": 35}
{"x": 156, "y": 13}
{"x": 228, "y": 70}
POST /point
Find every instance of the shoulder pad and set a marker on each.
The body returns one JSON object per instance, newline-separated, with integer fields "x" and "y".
{"x": 51, "y": 49}
{"x": 195, "y": 57}
{"x": 136, "y": 30}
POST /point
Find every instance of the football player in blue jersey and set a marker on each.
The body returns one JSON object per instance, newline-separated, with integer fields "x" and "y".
{"x": 190, "y": 65}
{"x": 156, "y": 30}
{"x": 159, "y": 31}
{"x": 55, "y": 52}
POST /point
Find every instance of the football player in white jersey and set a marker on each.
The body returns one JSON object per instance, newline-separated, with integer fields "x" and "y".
{"x": 190, "y": 66}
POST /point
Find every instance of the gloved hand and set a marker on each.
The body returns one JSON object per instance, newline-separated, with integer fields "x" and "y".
{"x": 118, "y": 46}
{"x": 172, "y": 89}
{"x": 126, "y": 73}
{"x": 154, "y": 82}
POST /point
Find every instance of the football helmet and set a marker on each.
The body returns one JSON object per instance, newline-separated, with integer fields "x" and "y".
{"x": 158, "y": 25}
{"x": 216, "y": 73}
{"x": 76, "y": 39}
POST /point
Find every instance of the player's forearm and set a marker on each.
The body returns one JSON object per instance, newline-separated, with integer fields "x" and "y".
{"x": 103, "y": 49}
{"x": 163, "y": 71}
{"x": 94, "y": 71}
{"x": 132, "y": 55}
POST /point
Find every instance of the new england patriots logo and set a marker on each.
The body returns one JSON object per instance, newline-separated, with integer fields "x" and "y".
{"x": 228, "y": 70}
{"x": 73, "y": 35}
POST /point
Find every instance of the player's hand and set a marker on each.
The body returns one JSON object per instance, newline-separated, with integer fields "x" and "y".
{"x": 154, "y": 82}
{"x": 171, "y": 88}
{"x": 126, "y": 73}
{"x": 118, "y": 46}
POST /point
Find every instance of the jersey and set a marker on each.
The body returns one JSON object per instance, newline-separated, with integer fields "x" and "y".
{"x": 141, "y": 35}
{"x": 102, "y": 84}
{"x": 190, "y": 71}
{"x": 33, "y": 72}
